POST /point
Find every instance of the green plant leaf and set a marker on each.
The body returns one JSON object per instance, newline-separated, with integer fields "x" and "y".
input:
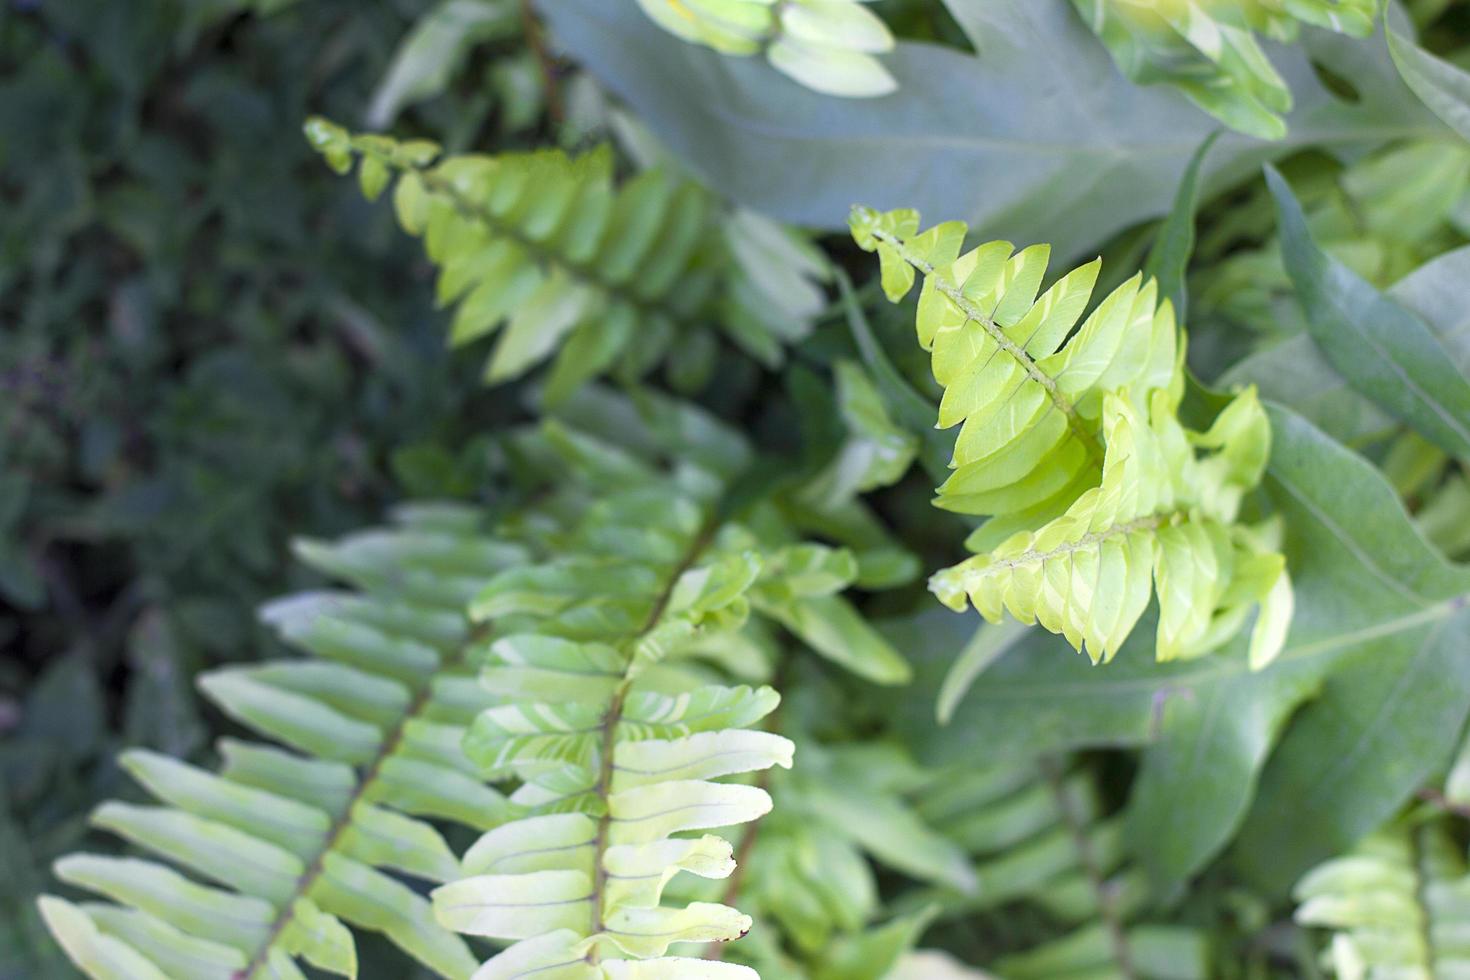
{"x": 1297, "y": 374}
{"x": 1382, "y": 349}
{"x": 428, "y": 57}
{"x": 1169, "y": 257}
{"x": 1059, "y": 148}
{"x": 990, "y": 643}
{"x": 1368, "y": 586}
{"x": 1442, "y": 86}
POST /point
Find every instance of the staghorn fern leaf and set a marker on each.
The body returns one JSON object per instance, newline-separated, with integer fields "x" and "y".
{"x": 1098, "y": 496}
{"x": 300, "y": 840}
{"x": 826, "y": 45}
{"x": 545, "y": 250}
{"x": 1398, "y": 905}
{"x": 1208, "y": 49}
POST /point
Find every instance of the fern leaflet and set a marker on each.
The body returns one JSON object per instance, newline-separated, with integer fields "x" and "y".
{"x": 826, "y": 45}
{"x": 1209, "y": 50}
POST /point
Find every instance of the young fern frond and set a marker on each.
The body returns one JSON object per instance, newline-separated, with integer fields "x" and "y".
{"x": 1039, "y": 833}
{"x": 614, "y": 756}
{"x": 300, "y": 840}
{"x": 609, "y": 661}
{"x": 1097, "y": 496}
{"x": 1209, "y": 51}
{"x": 1398, "y": 905}
{"x": 826, "y": 45}
{"x": 547, "y": 250}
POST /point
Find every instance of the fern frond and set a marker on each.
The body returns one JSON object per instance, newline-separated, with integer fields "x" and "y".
{"x": 613, "y": 762}
{"x": 1398, "y": 905}
{"x": 826, "y": 45}
{"x": 297, "y": 841}
{"x": 1098, "y": 496}
{"x": 1209, "y": 51}
{"x": 1040, "y": 835}
{"x": 545, "y": 249}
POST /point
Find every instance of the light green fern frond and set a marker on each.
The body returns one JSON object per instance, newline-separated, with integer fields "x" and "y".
{"x": 296, "y": 842}
{"x": 545, "y": 249}
{"x": 1209, "y": 51}
{"x": 826, "y": 45}
{"x": 1398, "y": 905}
{"x": 615, "y": 757}
{"x": 1040, "y": 834}
{"x": 1099, "y": 498}
{"x": 617, "y": 721}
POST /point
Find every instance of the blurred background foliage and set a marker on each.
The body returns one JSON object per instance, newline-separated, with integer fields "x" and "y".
{"x": 210, "y": 343}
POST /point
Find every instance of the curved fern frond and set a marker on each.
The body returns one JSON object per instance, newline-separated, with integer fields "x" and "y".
{"x": 1040, "y": 835}
{"x": 1398, "y": 905}
{"x": 1098, "y": 496}
{"x": 296, "y": 841}
{"x": 546, "y": 250}
{"x": 1209, "y": 51}
{"x": 826, "y": 45}
{"x": 615, "y": 755}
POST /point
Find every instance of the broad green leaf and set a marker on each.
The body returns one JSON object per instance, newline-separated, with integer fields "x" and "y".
{"x": 834, "y": 629}
{"x": 990, "y": 642}
{"x": 101, "y": 955}
{"x": 1442, "y": 86}
{"x": 1295, "y": 372}
{"x": 1169, "y": 257}
{"x": 1060, "y": 149}
{"x": 1385, "y": 351}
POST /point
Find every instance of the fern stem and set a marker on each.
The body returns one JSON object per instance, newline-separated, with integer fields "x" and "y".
{"x": 972, "y": 312}
{"x": 343, "y": 820}
{"x": 1107, "y": 907}
{"x": 1086, "y": 542}
{"x": 1425, "y": 930}
{"x": 613, "y": 716}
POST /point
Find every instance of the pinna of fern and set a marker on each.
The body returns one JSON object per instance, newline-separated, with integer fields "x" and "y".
{"x": 1208, "y": 49}
{"x": 826, "y": 45}
{"x": 547, "y": 250}
{"x": 1071, "y": 444}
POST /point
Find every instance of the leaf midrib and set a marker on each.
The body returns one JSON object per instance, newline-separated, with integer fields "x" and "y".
{"x": 316, "y": 869}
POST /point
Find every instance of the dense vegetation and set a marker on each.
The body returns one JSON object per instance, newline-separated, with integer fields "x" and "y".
{"x": 525, "y": 539}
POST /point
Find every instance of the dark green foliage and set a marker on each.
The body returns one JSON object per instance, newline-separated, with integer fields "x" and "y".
{"x": 209, "y": 344}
